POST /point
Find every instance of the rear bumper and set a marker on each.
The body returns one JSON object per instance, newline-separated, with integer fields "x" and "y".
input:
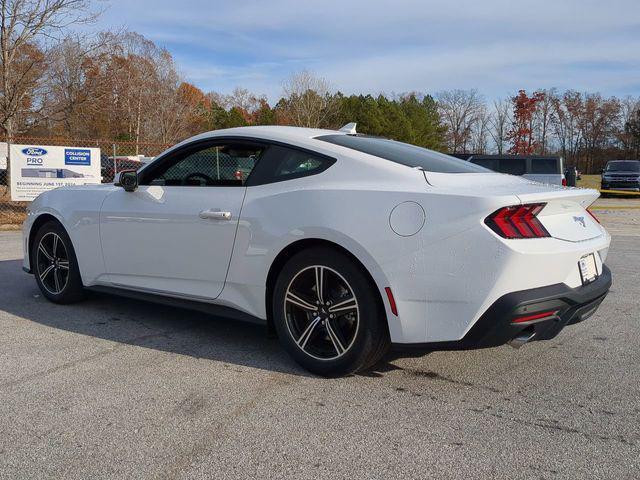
{"x": 495, "y": 327}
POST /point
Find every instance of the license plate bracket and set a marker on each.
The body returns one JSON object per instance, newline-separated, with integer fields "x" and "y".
{"x": 588, "y": 268}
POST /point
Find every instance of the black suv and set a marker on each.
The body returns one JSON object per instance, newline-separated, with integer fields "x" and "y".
{"x": 621, "y": 175}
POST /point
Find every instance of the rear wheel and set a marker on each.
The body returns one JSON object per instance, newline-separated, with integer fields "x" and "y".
{"x": 327, "y": 313}
{"x": 54, "y": 265}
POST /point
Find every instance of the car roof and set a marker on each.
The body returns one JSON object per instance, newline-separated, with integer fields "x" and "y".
{"x": 510, "y": 157}
{"x": 300, "y": 136}
{"x": 271, "y": 132}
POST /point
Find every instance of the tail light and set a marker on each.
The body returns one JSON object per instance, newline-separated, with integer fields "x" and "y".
{"x": 518, "y": 221}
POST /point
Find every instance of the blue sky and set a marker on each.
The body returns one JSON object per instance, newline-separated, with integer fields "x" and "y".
{"x": 496, "y": 46}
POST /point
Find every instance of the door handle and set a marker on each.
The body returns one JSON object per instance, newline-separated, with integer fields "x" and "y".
{"x": 215, "y": 215}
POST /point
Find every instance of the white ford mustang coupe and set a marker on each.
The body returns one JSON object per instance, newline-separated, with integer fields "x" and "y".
{"x": 344, "y": 244}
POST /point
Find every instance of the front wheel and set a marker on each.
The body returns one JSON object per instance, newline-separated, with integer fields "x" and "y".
{"x": 327, "y": 313}
{"x": 54, "y": 265}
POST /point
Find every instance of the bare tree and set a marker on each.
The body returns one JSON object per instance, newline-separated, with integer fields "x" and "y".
{"x": 309, "y": 101}
{"x": 480, "y": 131}
{"x": 22, "y": 24}
{"x": 26, "y": 27}
{"x": 459, "y": 110}
{"x": 565, "y": 123}
{"x": 132, "y": 74}
{"x": 629, "y": 110}
{"x": 542, "y": 119}
{"x": 244, "y": 100}
{"x": 499, "y": 122}
{"x": 597, "y": 122}
{"x": 632, "y": 132}
{"x": 219, "y": 99}
{"x": 73, "y": 79}
{"x": 171, "y": 117}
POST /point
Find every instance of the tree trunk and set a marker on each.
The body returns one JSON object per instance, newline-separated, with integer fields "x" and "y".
{"x": 138, "y": 120}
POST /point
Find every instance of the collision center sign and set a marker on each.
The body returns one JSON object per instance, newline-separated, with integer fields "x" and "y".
{"x": 38, "y": 168}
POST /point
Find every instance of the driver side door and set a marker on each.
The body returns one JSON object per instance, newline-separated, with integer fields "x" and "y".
{"x": 175, "y": 233}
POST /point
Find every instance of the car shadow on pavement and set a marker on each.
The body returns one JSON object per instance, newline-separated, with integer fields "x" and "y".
{"x": 146, "y": 324}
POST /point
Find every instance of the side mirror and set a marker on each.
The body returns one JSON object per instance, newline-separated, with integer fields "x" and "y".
{"x": 127, "y": 179}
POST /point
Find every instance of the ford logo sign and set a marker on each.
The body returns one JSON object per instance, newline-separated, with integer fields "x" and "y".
{"x": 34, "y": 151}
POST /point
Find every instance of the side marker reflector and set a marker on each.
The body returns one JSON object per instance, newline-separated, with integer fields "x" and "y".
{"x": 392, "y": 301}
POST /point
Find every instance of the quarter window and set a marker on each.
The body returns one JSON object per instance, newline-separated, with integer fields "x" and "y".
{"x": 293, "y": 162}
{"x": 283, "y": 163}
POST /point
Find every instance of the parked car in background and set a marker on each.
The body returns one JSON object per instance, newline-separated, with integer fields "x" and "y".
{"x": 106, "y": 168}
{"x": 108, "y": 171}
{"x": 621, "y": 175}
{"x": 543, "y": 169}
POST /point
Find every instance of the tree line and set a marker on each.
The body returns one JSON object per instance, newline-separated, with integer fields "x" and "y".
{"x": 121, "y": 86}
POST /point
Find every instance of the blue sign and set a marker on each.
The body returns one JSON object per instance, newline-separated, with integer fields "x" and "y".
{"x": 34, "y": 151}
{"x": 77, "y": 156}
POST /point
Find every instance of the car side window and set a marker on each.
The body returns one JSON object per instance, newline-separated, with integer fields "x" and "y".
{"x": 490, "y": 163}
{"x": 513, "y": 166}
{"x": 545, "y": 166}
{"x": 283, "y": 163}
{"x": 207, "y": 166}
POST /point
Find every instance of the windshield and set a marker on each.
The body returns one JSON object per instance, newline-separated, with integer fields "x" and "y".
{"x": 623, "y": 167}
{"x": 404, "y": 154}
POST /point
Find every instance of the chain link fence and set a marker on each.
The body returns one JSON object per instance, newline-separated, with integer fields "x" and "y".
{"x": 215, "y": 165}
{"x": 115, "y": 156}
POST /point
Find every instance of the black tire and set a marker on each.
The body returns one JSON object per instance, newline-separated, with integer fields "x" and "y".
{"x": 59, "y": 284}
{"x": 362, "y": 329}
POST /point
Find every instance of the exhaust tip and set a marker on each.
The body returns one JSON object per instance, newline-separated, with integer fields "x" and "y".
{"x": 523, "y": 337}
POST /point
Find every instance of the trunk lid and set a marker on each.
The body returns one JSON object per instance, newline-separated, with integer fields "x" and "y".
{"x": 564, "y": 216}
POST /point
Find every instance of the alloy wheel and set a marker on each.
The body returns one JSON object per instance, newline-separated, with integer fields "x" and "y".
{"x": 321, "y": 312}
{"x": 53, "y": 263}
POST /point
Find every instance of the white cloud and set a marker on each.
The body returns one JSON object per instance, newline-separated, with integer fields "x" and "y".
{"x": 496, "y": 46}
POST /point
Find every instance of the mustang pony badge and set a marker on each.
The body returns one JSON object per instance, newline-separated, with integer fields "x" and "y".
{"x": 580, "y": 220}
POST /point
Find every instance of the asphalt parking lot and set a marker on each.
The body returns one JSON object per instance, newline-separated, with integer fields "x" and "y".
{"x": 115, "y": 388}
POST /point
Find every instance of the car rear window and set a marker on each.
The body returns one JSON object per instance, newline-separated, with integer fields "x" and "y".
{"x": 545, "y": 166}
{"x": 404, "y": 153}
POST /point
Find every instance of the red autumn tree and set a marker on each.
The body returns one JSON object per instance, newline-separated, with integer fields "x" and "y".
{"x": 521, "y": 133}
